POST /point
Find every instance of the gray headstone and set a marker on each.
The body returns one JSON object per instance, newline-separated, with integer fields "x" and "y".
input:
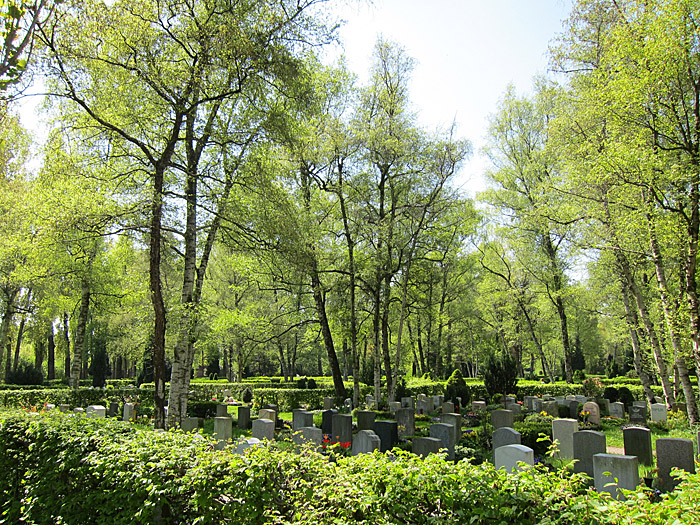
{"x": 64, "y": 408}
{"x": 365, "y": 419}
{"x": 423, "y": 407}
{"x": 369, "y": 401}
{"x": 563, "y": 430}
{"x": 327, "y": 422}
{"x": 267, "y": 413}
{"x": 263, "y": 429}
{"x": 244, "y": 444}
{"x": 448, "y": 407}
{"x": 659, "y": 412}
{"x": 388, "y": 432}
{"x": 604, "y": 405}
{"x": 610, "y": 467}
{"x": 394, "y": 406}
{"x": 365, "y": 442}
{"x": 223, "y": 431}
{"x": 327, "y": 403}
{"x": 587, "y": 443}
{"x": 301, "y": 418}
{"x": 638, "y": 414}
{"x": 407, "y": 402}
{"x": 638, "y": 443}
{"x": 406, "y": 420}
{"x": 478, "y": 406}
{"x": 537, "y": 405}
{"x": 423, "y": 446}
{"x": 306, "y": 435}
{"x": 594, "y": 412}
{"x": 551, "y": 408}
{"x": 581, "y": 399}
{"x": 438, "y": 400}
{"x": 508, "y": 457}
{"x": 456, "y": 421}
{"x": 129, "y": 411}
{"x": 573, "y": 409}
{"x": 221, "y": 410}
{"x": 190, "y": 424}
{"x": 444, "y": 433}
{"x": 113, "y": 409}
{"x": 96, "y": 411}
{"x": 502, "y": 418}
{"x": 680, "y": 407}
{"x": 514, "y": 407}
{"x": 243, "y": 417}
{"x": 617, "y": 410}
{"x": 505, "y": 436}
{"x": 529, "y": 402}
{"x": 341, "y": 428}
{"x": 77, "y": 410}
{"x": 561, "y": 400}
{"x": 673, "y": 452}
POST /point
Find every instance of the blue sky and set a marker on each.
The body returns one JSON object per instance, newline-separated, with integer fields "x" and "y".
{"x": 466, "y": 53}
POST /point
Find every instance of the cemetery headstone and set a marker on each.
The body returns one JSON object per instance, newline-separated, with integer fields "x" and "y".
{"x": 394, "y": 406}
{"x": 448, "y": 407}
{"x": 311, "y": 435}
{"x": 422, "y": 446}
{"x": 113, "y": 409}
{"x": 64, "y": 408}
{"x": 529, "y": 402}
{"x": 637, "y": 442}
{"x": 327, "y": 403}
{"x": 511, "y": 457}
{"x": 514, "y": 407}
{"x": 129, "y": 411}
{"x": 438, "y": 400}
{"x": 593, "y": 411}
{"x": 301, "y": 418}
{"x": 680, "y": 407}
{"x": 456, "y": 421}
{"x": 263, "y": 429}
{"x": 478, "y": 406}
{"x": 573, "y": 409}
{"x": 505, "y": 436}
{"x": 77, "y": 410}
{"x": 551, "y": 408}
{"x": 365, "y": 419}
{"x": 244, "y": 444}
{"x": 563, "y": 430}
{"x": 444, "y": 433}
{"x": 267, "y": 413}
{"x": 388, "y": 432}
{"x": 341, "y": 428}
{"x": 617, "y": 410}
{"x": 327, "y": 422}
{"x": 221, "y": 410}
{"x": 621, "y": 471}
{"x": 422, "y": 407}
{"x": 96, "y": 411}
{"x": 659, "y": 412}
{"x": 406, "y": 421}
{"x": 365, "y": 442}
{"x": 223, "y": 431}
{"x": 407, "y": 402}
{"x": 502, "y": 418}
{"x": 190, "y": 424}
{"x": 537, "y": 405}
{"x": 587, "y": 443}
{"x": 244, "y": 416}
{"x": 638, "y": 414}
{"x": 673, "y": 452}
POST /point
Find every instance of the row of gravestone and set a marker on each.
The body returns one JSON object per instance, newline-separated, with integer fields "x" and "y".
{"x": 589, "y": 450}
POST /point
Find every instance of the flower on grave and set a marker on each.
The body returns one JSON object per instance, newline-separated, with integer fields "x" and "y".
{"x": 346, "y": 445}
{"x": 421, "y": 411}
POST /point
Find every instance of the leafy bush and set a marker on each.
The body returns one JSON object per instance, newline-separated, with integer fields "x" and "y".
{"x": 592, "y": 387}
{"x": 624, "y": 395}
{"x": 25, "y": 374}
{"x": 456, "y": 387}
{"x": 500, "y": 375}
{"x": 611, "y": 393}
{"x": 201, "y": 408}
{"x": 579, "y": 376}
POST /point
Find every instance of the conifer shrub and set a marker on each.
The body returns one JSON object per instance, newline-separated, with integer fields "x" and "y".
{"x": 456, "y": 387}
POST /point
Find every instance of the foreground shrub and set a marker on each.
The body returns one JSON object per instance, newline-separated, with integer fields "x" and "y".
{"x": 73, "y": 470}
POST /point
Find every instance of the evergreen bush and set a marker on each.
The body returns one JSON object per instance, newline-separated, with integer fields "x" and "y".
{"x": 456, "y": 387}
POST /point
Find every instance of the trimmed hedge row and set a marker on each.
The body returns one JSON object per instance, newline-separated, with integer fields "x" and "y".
{"x": 75, "y": 398}
{"x": 73, "y": 470}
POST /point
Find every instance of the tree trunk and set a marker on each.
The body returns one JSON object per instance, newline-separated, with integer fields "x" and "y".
{"x": 66, "y": 336}
{"x": 8, "y": 313}
{"x": 80, "y": 340}
{"x": 681, "y": 369}
{"x": 51, "y": 357}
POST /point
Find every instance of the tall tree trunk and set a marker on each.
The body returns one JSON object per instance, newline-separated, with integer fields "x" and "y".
{"x": 156, "y": 289}
{"x": 80, "y": 340}
{"x": 51, "y": 356}
{"x": 66, "y": 337}
{"x": 8, "y": 313}
{"x": 681, "y": 368}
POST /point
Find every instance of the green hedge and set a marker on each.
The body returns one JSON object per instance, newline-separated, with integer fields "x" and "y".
{"x": 73, "y": 470}
{"x": 75, "y": 398}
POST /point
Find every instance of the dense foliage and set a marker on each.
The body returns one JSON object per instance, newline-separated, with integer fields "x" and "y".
{"x": 111, "y": 472}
